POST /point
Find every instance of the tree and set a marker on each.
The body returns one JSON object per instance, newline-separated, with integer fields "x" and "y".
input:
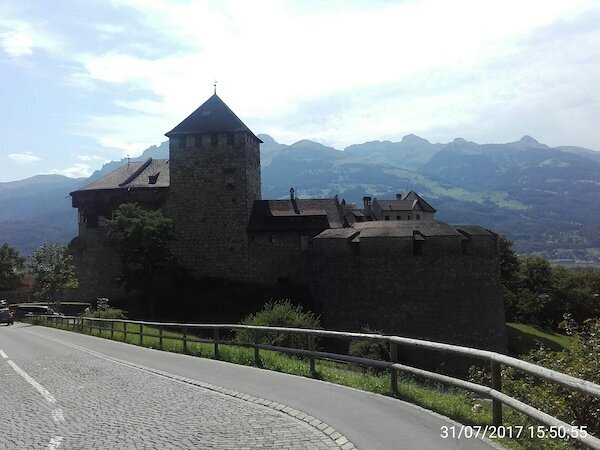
{"x": 53, "y": 271}
{"x": 11, "y": 267}
{"x": 142, "y": 238}
{"x": 510, "y": 267}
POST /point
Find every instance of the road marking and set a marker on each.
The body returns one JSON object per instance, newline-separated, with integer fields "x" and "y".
{"x": 47, "y": 395}
{"x": 3, "y": 354}
{"x": 57, "y": 415}
{"x": 55, "y": 443}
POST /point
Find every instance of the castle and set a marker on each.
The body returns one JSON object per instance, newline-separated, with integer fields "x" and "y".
{"x": 389, "y": 265}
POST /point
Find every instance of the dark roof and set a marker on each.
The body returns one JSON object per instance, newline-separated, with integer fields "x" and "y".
{"x": 408, "y": 202}
{"x": 211, "y": 117}
{"x": 405, "y": 228}
{"x": 295, "y": 215}
{"x": 152, "y": 173}
{"x": 412, "y": 195}
{"x": 474, "y": 230}
{"x": 397, "y": 205}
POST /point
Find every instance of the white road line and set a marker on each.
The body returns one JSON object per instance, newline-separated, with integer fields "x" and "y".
{"x": 47, "y": 395}
{"x": 3, "y": 354}
{"x": 55, "y": 443}
{"x": 57, "y": 415}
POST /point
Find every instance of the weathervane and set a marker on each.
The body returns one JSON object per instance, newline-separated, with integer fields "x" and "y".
{"x": 215, "y": 86}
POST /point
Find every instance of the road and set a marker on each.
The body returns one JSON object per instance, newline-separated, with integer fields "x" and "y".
{"x": 66, "y": 390}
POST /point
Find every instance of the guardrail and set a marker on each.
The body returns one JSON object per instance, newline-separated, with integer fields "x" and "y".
{"x": 496, "y": 360}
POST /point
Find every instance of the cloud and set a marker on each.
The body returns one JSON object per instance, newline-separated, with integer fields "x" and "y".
{"x": 75, "y": 171}
{"x": 24, "y": 158}
{"x": 19, "y": 38}
{"x": 91, "y": 158}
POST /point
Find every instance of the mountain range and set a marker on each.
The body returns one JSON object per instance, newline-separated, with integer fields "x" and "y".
{"x": 546, "y": 199}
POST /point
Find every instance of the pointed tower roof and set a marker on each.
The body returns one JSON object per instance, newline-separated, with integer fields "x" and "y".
{"x": 211, "y": 117}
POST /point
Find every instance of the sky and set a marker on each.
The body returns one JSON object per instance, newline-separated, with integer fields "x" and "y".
{"x": 83, "y": 82}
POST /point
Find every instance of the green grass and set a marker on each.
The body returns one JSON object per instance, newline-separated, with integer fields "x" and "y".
{"x": 450, "y": 402}
{"x": 524, "y": 338}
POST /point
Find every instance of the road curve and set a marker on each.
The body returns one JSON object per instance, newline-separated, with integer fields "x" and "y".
{"x": 368, "y": 421}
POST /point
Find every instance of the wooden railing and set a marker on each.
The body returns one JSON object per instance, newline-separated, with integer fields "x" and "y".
{"x": 496, "y": 360}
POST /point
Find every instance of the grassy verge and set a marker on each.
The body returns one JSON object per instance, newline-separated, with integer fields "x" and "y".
{"x": 524, "y": 338}
{"x": 450, "y": 402}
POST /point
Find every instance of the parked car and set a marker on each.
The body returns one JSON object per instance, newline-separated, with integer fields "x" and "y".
{"x": 6, "y": 316}
{"x": 33, "y": 310}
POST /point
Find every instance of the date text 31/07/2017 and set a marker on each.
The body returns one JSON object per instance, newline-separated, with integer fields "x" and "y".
{"x": 511, "y": 432}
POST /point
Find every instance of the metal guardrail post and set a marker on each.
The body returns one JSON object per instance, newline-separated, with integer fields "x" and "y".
{"x": 125, "y": 331}
{"x": 257, "y": 361}
{"x": 141, "y": 334}
{"x": 216, "y": 339}
{"x": 394, "y": 372}
{"x": 311, "y": 358}
{"x": 90, "y": 324}
{"x": 160, "y": 337}
{"x": 184, "y": 332}
{"x": 112, "y": 329}
{"x": 496, "y": 369}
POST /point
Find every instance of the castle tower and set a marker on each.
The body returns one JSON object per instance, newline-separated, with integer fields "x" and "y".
{"x": 214, "y": 179}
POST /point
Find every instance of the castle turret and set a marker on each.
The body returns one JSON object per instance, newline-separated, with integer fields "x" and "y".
{"x": 214, "y": 180}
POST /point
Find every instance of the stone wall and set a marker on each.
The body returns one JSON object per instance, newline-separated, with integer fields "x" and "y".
{"x": 214, "y": 180}
{"x": 97, "y": 267}
{"x": 450, "y": 293}
{"x": 278, "y": 257}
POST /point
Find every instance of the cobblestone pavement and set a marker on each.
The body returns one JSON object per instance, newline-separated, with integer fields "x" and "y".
{"x": 103, "y": 404}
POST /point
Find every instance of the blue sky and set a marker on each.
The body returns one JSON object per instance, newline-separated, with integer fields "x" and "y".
{"x": 85, "y": 82}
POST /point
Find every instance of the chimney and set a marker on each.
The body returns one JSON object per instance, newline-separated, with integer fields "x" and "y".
{"x": 292, "y": 193}
{"x": 398, "y": 196}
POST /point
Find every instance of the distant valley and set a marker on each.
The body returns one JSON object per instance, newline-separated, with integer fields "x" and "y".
{"x": 546, "y": 199}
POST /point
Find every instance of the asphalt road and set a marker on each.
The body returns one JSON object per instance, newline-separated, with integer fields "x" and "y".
{"x": 66, "y": 390}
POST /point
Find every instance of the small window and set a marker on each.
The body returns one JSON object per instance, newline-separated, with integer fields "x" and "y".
{"x": 271, "y": 238}
{"x": 304, "y": 242}
{"x": 398, "y": 217}
{"x": 386, "y": 218}
{"x": 408, "y": 217}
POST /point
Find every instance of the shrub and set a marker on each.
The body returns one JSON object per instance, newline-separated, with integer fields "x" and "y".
{"x": 581, "y": 360}
{"x": 281, "y": 313}
{"x": 105, "y": 311}
{"x": 369, "y": 348}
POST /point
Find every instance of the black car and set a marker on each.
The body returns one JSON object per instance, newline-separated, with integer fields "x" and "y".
{"x": 6, "y": 316}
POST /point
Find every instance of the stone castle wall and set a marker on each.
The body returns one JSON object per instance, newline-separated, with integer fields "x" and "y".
{"x": 214, "y": 180}
{"x": 97, "y": 267}
{"x": 450, "y": 293}
{"x": 278, "y": 257}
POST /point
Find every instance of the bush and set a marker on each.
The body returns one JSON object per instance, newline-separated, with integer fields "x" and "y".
{"x": 281, "y": 313}
{"x": 369, "y": 348}
{"x": 581, "y": 360}
{"x": 105, "y": 311}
